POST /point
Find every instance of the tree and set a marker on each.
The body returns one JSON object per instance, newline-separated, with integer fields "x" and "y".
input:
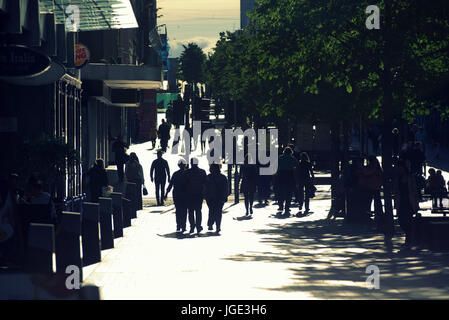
{"x": 315, "y": 60}
{"x": 191, "y": 64}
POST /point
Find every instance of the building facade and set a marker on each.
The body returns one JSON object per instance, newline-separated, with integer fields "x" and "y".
{"x": 245, "y": 7}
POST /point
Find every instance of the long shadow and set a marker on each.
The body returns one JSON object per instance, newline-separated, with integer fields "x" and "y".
{"x": 242, "y": 218}
{"x": 178, "y": 235}
{"x": 328, "y": 259}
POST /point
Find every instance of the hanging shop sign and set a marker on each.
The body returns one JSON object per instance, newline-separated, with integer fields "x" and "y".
{"x": 20, "y": 61}
{"x": 54, "y": 73}
{"x": 82, "y": 55}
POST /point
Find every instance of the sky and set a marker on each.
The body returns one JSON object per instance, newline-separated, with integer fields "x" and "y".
{"x": 198, "y": 21}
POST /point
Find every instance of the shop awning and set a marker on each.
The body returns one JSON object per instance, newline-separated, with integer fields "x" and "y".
{"x": 130, "y": 84}
{"x": 94, "y": 14}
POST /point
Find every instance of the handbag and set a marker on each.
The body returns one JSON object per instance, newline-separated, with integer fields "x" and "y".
{"x": 145, "y": 191}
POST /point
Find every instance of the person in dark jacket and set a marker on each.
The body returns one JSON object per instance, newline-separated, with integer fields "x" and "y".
{"x": 263, "y": 186}
{"x": 216, "y": 194}
{"x": 195, "y": 183}
{"x": 248, "y": 175}
{"x": 134, "y": 174}
{"x": 158, "y": 173}
{"x": 286, "y": 179}
{"x": 119, "y": 149}
{"x": 304, "y": 181}
{"x": 98, "y": 179}
{"x": 164, "y": 134}
{"x": 179, "y": 195}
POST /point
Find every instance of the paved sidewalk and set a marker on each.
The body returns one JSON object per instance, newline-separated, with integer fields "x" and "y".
{"x": 261, "y": 258}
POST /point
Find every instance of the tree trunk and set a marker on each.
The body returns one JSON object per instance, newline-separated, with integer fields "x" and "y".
{"x": 335, "y": 149}
{"x": 387, "y": 126}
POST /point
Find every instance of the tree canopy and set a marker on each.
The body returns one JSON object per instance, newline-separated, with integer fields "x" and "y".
{"x": 317, "y": 59}
{"x": 191, "y": 64}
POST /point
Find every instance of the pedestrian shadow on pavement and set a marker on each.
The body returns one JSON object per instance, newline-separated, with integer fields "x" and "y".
{"x": 178, "y": 235}
{"x": 329, "y": 260}
{"x": 242, "y": 218}
{"x": 303, "y": 214}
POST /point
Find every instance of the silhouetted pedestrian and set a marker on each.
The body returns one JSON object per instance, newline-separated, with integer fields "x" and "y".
{"x": 286, "y": 179}
{"x": 153, "y": 136}
{"x": 373, "y": 176}
{"x": 134, "y": 174}
{"x": 355, "y": 193}
{"x": 178, "y": 183}
{"x": 304, "y": 176}
{"x": 195, "y": 184}
{"x": 119, "y": 148}
{"x": 406, "y": 200}
{"x": 216, "y": 194}
{"x": 164, "y": 134}
{"x": 37, "y": 195}
{"x": 248, "y": 175}
{"x": 97, "y": 180}
{"x": 158, "y": 173}
{"x": 263, "y": 186}
{"x": 436, "y": 187}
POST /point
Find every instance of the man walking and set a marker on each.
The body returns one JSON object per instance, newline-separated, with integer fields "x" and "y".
{"x": 159, "y": 173}
{"x": 179, "y": 195}
{"x": 195, "y": 183}
{"x": 286, "y": 177}
{"x": 216, "y": 193}
{"x": 164, "y": 135}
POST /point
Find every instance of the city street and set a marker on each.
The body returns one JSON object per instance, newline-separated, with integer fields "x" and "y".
{"x": 261, "y": 258}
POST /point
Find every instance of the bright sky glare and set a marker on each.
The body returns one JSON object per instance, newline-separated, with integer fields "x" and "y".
{"x": 198, "y": 21}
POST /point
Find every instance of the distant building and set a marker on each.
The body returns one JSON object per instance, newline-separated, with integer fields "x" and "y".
{"x": 245, "y": 7}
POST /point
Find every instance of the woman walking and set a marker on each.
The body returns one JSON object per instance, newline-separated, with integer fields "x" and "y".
{"x": 248, "y": 175}
{"x": 134, "y": 174}
{"x": 305, "y": 181}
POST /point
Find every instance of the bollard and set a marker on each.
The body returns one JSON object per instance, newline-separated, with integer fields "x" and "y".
{"x": 89, "y": 293}
{"x": 130, "y": 193}
{"x": 117, "y": 213}
{"x": 107, "y": 236}
{"x": 126, "y": 212}
{"x": 68, "y": 246}
{"x": 90, "y": 233}
{"x": 41, "y": 245}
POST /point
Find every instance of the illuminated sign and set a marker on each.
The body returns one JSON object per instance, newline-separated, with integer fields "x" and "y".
{"x": 82, "y": 56}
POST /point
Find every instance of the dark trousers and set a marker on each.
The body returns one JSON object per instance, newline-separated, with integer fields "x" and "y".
{"x": 286, "y": 188}
{"x": 405, "y": 218}
{"x": 195, "y": 204}
{"x": 164, "y": 142}
{"x": 120, "y": 165}
{"x": 303, "y": 195}
{"x": 378, "y": 209}
{"x": 181, "y": 214}
{"x": 285, "y": 196}
{"x": 215, "y": 213}
{"x": 160, "y": 189}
